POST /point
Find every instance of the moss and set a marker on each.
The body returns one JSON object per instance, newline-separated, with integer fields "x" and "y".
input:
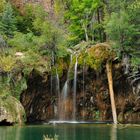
{"x": 7, "y": 63}
{"x": 13, "y": 110}
{"x": 96, "y": 55}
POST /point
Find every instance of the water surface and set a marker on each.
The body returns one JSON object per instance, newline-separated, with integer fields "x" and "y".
{"x": 71, "y": 132}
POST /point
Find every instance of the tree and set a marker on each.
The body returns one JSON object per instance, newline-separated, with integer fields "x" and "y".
{"x": 8, "y": 21}
{"x": 124, "y": 32}
{"x": 82, "y": 20}
{"x": 111, "y": 90}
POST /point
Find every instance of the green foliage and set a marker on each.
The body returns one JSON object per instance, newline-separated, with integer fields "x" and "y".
{"x": 2, "y": 4}
{"x": 7, "y": 21}
{"x": 4, "y": 86}
{"x": 7, "y": 63}
{"x": 135, "y": 62}
{"x": 23, "y": 42}
{"x": 32, "y": 13}
{"x": 18, "y": 86}
{"x": 124, "y": 31}
{"x": 80, "y": 19}
{"x": 121, "y": 31}
{"x": 12, "y": 84}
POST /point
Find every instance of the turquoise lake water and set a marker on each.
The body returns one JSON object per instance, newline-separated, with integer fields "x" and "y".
{"x": 70, "y": 132}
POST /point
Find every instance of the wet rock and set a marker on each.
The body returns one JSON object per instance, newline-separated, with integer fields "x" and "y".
{"x": 137, "y": 105}
{"x": 132, "y": 117}
{"x": 92, "y": 101}
{"x": 11, "y": 111}
{"x": 38, "y": 100}
{"x": 121, "y": 117}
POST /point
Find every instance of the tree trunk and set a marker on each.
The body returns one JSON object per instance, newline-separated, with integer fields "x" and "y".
{"x": 111, "y": 91}
{"x": 99, "y": 22}
{"x": 86, "y": 32}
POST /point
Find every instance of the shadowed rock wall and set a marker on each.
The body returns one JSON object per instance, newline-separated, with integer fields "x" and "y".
{"x": 92, "y": 101}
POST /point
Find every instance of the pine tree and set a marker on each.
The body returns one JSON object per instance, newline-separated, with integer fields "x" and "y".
{"x": 8, "y": 21}
{"x": 122, "y": 28}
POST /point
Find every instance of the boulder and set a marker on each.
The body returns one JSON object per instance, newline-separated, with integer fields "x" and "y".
{"x": 11, "y": 111}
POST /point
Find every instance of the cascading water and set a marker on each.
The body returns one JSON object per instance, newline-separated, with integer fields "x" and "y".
{"x": 83, "y": 116}
{"x": 63, "y": 97}
{"x": 57, "y": 92}
{"x": 57, "y": 83}
{"x": 74, "y": 90}
{"x": 65, "y": 90}
{"x": 51, "y": 81}
{"x": 84, "y": 78}
{"x": 51, "y": 78}
{"x": 62, "y": 102}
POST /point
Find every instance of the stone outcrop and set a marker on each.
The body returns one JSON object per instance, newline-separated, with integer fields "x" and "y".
{"x": 92, "y": 101}
{"x": 11, "y": 111}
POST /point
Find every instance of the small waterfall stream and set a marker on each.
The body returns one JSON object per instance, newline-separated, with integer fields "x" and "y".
{"x": 51, "y": 78}
{"x": 56, "y": 109}
{"x": 57, "y": 83}
{"x": 83, "y": 116}
{"x": 84, "y": 78}
{"x": 74, "y": 90}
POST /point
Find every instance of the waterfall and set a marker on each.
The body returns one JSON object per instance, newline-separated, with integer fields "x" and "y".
{"x": 57, "y": 83}
{"x": 83, "y": 116}
{"x": 84, "y": 78}
{"x": 62, "y": 102}
{"x": 64, "y": 95}
{"x": 74, "y": 89}
{"x": 56, "y": 109}
{"x": 65, "y": 90}
{"x": 51, "y": 79}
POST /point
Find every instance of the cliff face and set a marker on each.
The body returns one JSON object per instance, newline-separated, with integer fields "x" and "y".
{"x": 47, "y": 4}
{"x": 92, "y": 101}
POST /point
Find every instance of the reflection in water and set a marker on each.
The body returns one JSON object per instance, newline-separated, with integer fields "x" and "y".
{"x": 70, "y": 132}
{"x": 113, "y": 132}
{"x": 64, "y": 132}
{"x": 10, "y": 133}
{"x": 18, "y": 133}
{"x": 74, "y": 132}
{"x": 46, "y": 137}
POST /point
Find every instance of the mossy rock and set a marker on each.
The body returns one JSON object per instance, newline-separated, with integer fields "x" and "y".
{"x": 121, "y": 117}
{"x": 11, "y": 111}
{"x": 129, "y": 117}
